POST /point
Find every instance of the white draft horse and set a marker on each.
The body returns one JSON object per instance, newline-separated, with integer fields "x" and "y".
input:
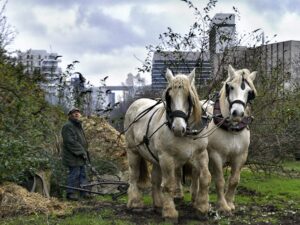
{"x": 156, "y": 132}
{"x": 229, "y": 137}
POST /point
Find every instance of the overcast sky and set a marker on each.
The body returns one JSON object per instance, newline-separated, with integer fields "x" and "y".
{"x": 107, "y": 36}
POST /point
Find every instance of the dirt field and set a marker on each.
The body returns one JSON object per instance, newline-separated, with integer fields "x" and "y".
{"x": 102, "y": 210}
{"x": 250, "y": 214}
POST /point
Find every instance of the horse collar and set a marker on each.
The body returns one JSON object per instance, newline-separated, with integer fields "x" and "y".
{"x": 225, "y": 124}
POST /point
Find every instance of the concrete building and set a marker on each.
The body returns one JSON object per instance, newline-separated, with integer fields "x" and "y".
{"x": 222, "y": 34}
{"x": 40, "y": 60}
{"x": 45, "y": 63}
{"x": 280, "y": 59}
{"x": 179, "y": 62}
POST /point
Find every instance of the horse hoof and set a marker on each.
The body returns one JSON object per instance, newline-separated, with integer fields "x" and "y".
{"x": 224, "y": 207}
{"x": 224, "y": 212}
{"x": 171, "y": 220}
{"x": 201, "y": 207}
{"x": 170, "y": 215}
{"x": 135, "y": 204}
{"x": 202, "y": 210}
{"x": 231, "y": 206}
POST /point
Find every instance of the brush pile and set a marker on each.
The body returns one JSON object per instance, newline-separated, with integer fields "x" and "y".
{"x": 16, "y": 200}
{"x": 105, "y": 142}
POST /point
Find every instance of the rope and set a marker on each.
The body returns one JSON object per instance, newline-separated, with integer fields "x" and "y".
{"x": 210, "y": 132}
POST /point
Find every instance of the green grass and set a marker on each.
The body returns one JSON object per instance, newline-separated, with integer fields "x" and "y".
{"x": 280, "y": 191}
{"x": 292, "y": 165}
{"x": 272, "y": 188}
{"x": 103, "y": 217}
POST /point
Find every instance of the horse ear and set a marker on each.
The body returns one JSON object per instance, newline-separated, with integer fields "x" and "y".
{"x": 253, "y": 75}
{"x": 169, "y": 75}
{"x": 231, "y": 72}
{"x": 191, "y": 76}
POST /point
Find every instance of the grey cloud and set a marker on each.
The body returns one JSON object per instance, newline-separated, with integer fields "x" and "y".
{"x": 151, "y": 23}
{"x": 30, "y": 24}
{"x": 119, "y": 33}
{"x": 88, "y": 3}
{"x": 275, "y": 7}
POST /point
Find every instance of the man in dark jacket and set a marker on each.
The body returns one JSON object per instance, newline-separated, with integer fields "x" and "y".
{"x": 74, "y": 153}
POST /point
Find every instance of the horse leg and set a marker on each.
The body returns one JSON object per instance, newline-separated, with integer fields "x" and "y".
{"x": 178, "y": 195}
{"x": 194, "y": 184}
{"x": 156, "y": 187}
{"x": 134, "y": 195}
{"x": 202, "y": 199}
{"x": 217, "y": 170}
{"x": 233, "y": 182}
{"x": 169, "y": 211}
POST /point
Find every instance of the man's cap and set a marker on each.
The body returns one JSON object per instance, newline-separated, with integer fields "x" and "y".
{"x": 73, "y": 110}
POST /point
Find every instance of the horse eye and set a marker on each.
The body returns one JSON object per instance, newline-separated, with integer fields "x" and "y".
{"x": 231, "y": 88}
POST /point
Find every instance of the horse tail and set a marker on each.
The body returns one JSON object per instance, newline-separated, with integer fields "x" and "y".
{"x": 144, "y": 173}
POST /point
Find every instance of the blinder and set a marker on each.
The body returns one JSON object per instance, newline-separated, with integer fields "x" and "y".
{"x": 227, "y": 88}
{"x": 251, "y": 94}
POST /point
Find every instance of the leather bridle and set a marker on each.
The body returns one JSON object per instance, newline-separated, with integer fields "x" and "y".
{"x": 171, "y": 115}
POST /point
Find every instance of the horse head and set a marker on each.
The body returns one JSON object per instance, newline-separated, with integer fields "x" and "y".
{"x": 238, "y": 90}
{"x": 182, "y": 105}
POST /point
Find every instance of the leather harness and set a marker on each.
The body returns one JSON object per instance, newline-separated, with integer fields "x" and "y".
{"x": 225, "y": 124}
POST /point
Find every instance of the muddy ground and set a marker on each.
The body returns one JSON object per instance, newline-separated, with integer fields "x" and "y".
{"x": 250, "y": 214}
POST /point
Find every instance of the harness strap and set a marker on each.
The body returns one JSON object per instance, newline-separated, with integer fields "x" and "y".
{"x": 236, "y": 102}
{"x": 141, "y": 115}
{"x": 205, "y": 120}
{"x": 179, "y": 113}
{"x": 146, "y": 139}
{"x": 226, "y": 124}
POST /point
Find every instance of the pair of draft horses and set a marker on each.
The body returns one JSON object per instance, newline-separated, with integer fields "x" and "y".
{"x": 168, "y": 134}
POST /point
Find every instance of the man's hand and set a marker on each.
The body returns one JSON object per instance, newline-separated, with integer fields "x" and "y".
{"x": 84, "y": 157}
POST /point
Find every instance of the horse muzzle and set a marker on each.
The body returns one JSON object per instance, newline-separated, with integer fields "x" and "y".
{"x": 178, "y": 127}
{"x": 237, "y": 112}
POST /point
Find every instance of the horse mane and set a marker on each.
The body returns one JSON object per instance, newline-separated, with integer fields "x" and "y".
{"x": 189, "y": 89}
{"x": 245, "y": 73}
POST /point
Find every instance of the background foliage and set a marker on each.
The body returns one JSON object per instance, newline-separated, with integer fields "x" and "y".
{"x": 29, "y": 126}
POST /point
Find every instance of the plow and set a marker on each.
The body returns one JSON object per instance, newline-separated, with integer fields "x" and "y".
{"x": 100, "y": 183}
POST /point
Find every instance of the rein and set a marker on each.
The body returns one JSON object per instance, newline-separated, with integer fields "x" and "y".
{"x": 205, "y": 121}
{"x": 140, "y": 116}
{"x": 170, "y": 115}
{"x": 222, "y": 122}
{"x": 146, "y": 139}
